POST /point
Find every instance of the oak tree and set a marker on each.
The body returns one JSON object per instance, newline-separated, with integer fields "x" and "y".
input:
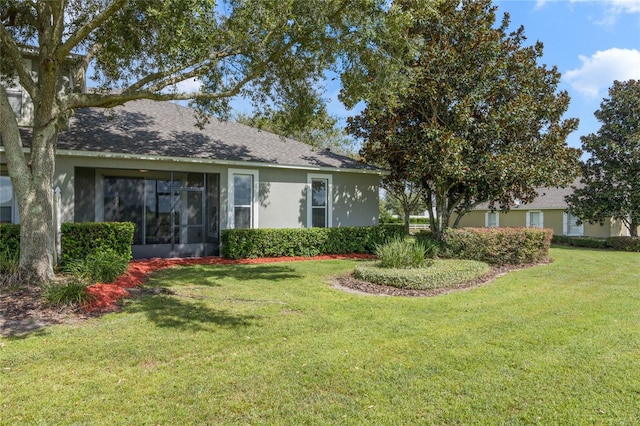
{"x": 481, "y": 119}
{"x": 272, "y": 52}
{"x": 610, "y": 182}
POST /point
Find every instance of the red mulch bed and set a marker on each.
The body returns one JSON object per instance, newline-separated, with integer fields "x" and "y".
{"x": 106, "y": 296}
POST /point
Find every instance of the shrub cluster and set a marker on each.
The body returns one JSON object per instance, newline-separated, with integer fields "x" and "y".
{"x": 624, "y": 243}
{"x": 10, "y": 239}
{"x": 80, "y": 240}
{"x": 70, "y": 293}
{"x": 252, "y": 243}
{"x": 587, "y": 242}
{"x": 445, "y": 273}
{"x": 615, "y": 243}
{"x": 103, "y": 266}
{"x": 9, "y": 268}
{"x": 499, "y": 246}
{"x": 401, "y": 252}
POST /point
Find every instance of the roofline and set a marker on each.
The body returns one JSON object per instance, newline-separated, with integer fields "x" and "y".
{"x": 234, "y": 163}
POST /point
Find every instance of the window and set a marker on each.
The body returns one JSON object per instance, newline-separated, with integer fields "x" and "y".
{"x": 535, "y": 219}
{"x": 491, "y": 219}
{"x": 8, "y": 203}
{"x": 15, "y": 100}
{"x": 319, "y": 201}
{"x": 243, "y": 199}
{"x": 570, "y": 225}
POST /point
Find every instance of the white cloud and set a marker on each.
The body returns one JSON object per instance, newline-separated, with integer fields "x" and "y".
{"x": 189, "y": 86}
{"x": 612, "y": 8}
{"x": 599, "y": 70}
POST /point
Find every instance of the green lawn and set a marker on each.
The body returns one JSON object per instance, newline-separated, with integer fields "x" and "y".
{"x": 275, "y": 344}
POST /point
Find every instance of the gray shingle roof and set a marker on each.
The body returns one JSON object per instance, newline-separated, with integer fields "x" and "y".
{"x": 548, "y": 198}
{"x": 166, "y": 129}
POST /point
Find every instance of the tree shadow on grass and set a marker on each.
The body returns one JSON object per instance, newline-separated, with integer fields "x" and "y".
{"x": 211, "y": 275}
{"x": 171, "y": 312}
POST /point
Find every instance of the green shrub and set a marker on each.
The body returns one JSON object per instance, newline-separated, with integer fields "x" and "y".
{"x": 499, "y": 246}
{"x": 70, "y": 293}
{"x": 253, "y": 243}
{"x": 79, "y": 240}
{"x": 442, "y": 274}
{"x": 401, "y": 252}
{"x": 104, "y": 266}
{"x": 10, "y": 239}
{"x": 9, "y": 268}
{"x": 624, "y": 243}
{"x": 587, "y": 242}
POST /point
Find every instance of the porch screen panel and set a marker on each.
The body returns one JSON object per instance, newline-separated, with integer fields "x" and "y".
{"x": 124, "y": 202}
{"x": 158, "y": 211}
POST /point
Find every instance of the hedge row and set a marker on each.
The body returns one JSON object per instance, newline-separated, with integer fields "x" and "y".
{"x": 252, "y": 243}
{"x": 615, "y": 243}
{"x": 498, "y": 246}
{"x": 78, "y": 239}
{"x": 84, "y": 238}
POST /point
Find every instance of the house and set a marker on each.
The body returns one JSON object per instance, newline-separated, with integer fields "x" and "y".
{"x": 548, "y": 210}
{"x": 146, "y": 162}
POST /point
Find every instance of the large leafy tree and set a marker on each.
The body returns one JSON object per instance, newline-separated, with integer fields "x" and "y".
{"x": 480, "y": 119}
{"x": 404, "y": 199}
{"x": 273, "y": 52}
{"x": 611, "y": 176}
{"x": 321, "y": 131}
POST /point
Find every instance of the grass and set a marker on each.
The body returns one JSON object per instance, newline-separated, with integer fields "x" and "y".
{"x": 275, "y": 344}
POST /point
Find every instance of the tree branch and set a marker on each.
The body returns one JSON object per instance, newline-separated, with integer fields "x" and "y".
{"x": 83, "y": 32}
{"x": 13, "y": 51}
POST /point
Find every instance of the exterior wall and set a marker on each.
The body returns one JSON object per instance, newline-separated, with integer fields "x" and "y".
{"x": 355, "y": 199}
{"x": 282, "y": 194}
{"x": 25, "y": 119}
{"x": 553, "y": 218}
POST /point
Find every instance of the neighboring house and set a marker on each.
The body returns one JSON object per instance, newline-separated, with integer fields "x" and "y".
{"x": 548, "y": 210}
{"x": 146, "y": 162}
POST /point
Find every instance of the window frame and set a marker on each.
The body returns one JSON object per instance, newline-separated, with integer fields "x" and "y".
{"x": 529, "y": 225}
{"x": 329, "y": 199}
{"x": 487, "y": 222}
{"x": 231, "y": 196}
{"x": 18, "y": 106}
{"x": 566, "y": 218}
{"x": 13, "y": 204}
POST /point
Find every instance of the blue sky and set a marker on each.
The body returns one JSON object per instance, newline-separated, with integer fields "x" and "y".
{"x": 592, "y": 43}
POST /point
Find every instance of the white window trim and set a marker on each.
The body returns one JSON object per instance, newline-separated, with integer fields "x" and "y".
{"x": 565, "y": 226}
{"x": 230, "y": 193}
{"x": 541, "y": 218}
{"x": 329, "y": 179}
{"x": 487, "y": 224}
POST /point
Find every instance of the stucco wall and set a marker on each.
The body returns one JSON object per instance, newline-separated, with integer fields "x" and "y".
{"x": 282, "y": 201}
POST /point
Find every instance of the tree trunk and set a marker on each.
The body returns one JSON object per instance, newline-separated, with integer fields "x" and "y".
{"x": 633, "y": 229}
{"x": 407, "y": 220}
{"x": 35, "y": 199}
{"x": 36, "y": 242}
{"x": 32, "y": 177}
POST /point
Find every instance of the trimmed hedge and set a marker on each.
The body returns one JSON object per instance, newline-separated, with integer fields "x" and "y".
{"x": 442, "y": 274}
{"x": 253, "y": 243}
{"x": 586, "y": 242}
{"x": 10, "y": 239}
{"x": 80, "y": 240}
{"x": 624, "y": 243}
{"x": 499, "y": 246}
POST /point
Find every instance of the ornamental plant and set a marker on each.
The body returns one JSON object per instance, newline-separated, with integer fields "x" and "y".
{"x": 403, "y": 253}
